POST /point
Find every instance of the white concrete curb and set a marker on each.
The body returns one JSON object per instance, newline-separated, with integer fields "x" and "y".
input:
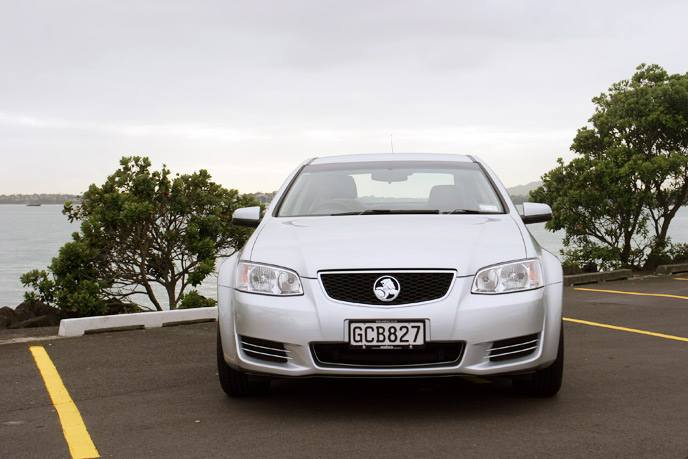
{"x": 81, "y": 326}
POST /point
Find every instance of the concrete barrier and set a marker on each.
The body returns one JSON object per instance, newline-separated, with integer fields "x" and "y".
{"x": 672, "y": 269}
{"x": 591, "y": 278}
{"x": 87, "y": 325}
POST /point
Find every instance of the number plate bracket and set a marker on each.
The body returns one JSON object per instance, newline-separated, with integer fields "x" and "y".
{"x": 387, "y": 333}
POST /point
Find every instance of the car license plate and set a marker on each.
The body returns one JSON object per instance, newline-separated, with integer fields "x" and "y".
{"x": 387, "y": 334}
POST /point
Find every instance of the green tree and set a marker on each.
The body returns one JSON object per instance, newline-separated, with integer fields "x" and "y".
{"x": 634, "y": 156}
{"x": 597, "y": 204}
{"x": 139, "y": 229}
{"x": 71, "y": 281}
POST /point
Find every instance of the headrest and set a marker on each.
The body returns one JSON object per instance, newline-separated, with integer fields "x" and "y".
{"x": 447, "y": 198}
{"x": 335, "y": 186}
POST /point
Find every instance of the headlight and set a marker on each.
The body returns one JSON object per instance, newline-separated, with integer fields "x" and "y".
{"x": 267, "y": 280}
{"x": 508, "y": 277}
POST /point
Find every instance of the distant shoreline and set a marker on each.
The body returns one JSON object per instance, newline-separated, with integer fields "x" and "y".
{"x": 39, "y": 199}
{"x": 46, "y": 199}
{"x": 519, "y": 194}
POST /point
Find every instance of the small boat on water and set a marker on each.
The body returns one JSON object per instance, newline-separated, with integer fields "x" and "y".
{"x": 34, "y": 204}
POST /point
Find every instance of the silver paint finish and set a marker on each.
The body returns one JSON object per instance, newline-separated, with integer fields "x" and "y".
{"x": 462, "y": 243}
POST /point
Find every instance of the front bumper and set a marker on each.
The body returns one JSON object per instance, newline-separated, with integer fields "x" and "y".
{"x": 476, "y": 320}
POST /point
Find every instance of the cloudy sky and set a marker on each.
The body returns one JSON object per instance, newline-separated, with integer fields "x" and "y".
{"x": 248, "y": 89}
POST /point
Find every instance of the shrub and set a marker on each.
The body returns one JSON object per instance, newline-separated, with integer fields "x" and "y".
{"x": 193, "y": 299}
{"x": 71, "y": 282}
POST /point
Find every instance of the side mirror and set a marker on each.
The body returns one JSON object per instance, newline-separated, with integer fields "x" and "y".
{"x": 246, "y": 216}
{"x": 535, "y": 212}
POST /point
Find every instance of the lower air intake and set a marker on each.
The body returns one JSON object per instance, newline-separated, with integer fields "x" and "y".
{"x": 513, "y": 348}
{"x": 432, "y": 354}
{"x": 262, "y": 349}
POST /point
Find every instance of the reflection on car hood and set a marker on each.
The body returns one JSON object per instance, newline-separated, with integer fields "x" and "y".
{"x": 462, "y": 242}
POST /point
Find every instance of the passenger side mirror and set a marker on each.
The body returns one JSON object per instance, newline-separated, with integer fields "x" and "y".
{"x": 246, "y": 216}
{"x": 535, "y": 212}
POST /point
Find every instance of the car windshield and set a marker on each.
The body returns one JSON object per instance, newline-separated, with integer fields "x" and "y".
{"x": 396, "y": 187}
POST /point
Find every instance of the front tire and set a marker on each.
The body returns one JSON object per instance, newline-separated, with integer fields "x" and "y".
{"x": 236, "y": 383}
{"x": 545, "y": 382}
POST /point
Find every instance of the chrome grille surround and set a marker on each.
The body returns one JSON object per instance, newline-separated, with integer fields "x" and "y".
{"x": 417, "y": 286}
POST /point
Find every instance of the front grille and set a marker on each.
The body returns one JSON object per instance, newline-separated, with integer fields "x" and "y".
{"x": 432, "y": 354}
{"x": 513, "y": 348}
{"x": 414, "y": 286}
{"x": 263, "y": 349}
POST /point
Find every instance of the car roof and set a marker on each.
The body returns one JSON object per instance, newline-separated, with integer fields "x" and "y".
{"x": 392, "y": 157}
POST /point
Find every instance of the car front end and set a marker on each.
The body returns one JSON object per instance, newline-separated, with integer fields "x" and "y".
{"x": 358, "y": 290}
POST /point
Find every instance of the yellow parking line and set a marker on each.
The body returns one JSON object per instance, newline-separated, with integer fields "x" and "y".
{"x": 621, "y": 292}
{"x": 626, "y": 329}
{"x": 681, "y": 278}
{"x": 73, "y": 427}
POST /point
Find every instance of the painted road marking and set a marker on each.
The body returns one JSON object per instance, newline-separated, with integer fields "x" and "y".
{"x": 626, "y": 329}
{"x": 73, "y": 427}
{"x": 621, "y": 292}
{"x": 681, "y": 278}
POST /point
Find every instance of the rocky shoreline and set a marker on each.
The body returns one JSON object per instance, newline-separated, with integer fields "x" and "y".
{"x": 32, "y": 314}
{"x": 29, "y": 314}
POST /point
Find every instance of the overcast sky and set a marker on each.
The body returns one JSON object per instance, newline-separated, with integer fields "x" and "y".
{"x": 248, "y": 89}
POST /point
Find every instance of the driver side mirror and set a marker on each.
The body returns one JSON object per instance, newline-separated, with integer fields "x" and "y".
{"x": 535, "y": 212}
{"x": 246, "y": 216}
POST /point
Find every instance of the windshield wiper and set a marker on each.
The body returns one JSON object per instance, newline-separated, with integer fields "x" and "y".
{"x": 470, "y": 212}
{"x": 390, "y": 212}
{"x": 417, "y": 211}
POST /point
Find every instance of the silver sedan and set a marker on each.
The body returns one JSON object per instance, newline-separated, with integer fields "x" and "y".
{"x": 391, "y": 265}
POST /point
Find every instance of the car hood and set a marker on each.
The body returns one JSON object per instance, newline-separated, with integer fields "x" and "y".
{"x": 462, "y": 242}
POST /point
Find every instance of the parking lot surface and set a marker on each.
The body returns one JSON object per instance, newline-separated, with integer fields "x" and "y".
{"x": 155, "y": 393}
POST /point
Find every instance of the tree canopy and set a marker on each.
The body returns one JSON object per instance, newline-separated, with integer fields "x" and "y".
{"x": 140, "y": 229}
{"x": 617, "y": 198}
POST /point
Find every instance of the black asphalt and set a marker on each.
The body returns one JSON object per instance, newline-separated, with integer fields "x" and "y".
{"x": 155, "y": 394}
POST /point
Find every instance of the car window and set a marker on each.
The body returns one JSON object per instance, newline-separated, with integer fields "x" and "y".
{"x": 390, "y": 187}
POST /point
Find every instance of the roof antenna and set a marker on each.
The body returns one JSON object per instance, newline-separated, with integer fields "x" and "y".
{"x": 391, "y": 141}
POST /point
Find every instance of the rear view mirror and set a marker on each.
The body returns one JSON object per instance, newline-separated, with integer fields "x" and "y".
{"x": 535, "y": 212}
{"x": 246, "y": 216}
{"x": 389, "y": 176}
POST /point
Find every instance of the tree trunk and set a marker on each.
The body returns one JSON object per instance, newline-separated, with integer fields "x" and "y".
{"x": 626, "y": 251}
{"x": 151, "y": 296}
{"x": 655, "y": 257}
{"x": 171, "y": 296}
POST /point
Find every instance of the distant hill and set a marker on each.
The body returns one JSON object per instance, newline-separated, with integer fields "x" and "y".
{"x": 37, "y": 198}
{"x": 519, "y": 193}
{"x": 524, "y": 190}
{"x": 264, "y": 198}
